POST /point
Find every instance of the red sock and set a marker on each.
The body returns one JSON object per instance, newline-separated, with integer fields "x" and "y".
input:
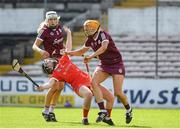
{"x": 109, "y": 112}
{"x": 101, "y": 105}
{"x": 85, "y": 112}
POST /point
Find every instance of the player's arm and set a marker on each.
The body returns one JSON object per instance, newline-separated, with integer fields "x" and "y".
{"x": 78, "y": 52}
{"x": 38, "y": 42}
{"x": 69, "y": 39}
{"x": 101, "y": 50}
{"x": 47, "y": 85}
{"x": 36, "y": 45}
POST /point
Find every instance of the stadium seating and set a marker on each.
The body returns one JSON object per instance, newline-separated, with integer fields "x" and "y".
{"x": 68, "y": 10}
{"x": 140, "y": 57}
{"x": 139, "y": 52}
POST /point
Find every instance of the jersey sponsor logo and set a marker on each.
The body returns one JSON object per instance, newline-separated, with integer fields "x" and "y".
{"x": 57, "y": 41}
{"x": 52, "y": 33}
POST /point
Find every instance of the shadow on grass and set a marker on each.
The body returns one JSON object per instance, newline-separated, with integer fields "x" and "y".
{"x": 103, "y": 125}
{"x": 134, "y": 126}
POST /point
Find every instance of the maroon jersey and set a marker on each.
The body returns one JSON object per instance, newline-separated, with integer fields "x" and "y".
{"x": 111, "y": 55}
{"x": 52, "y": 40}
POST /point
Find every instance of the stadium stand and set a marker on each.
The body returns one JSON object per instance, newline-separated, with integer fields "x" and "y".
{"x": 169, "y": 2}
{"x": 139, "y": 53}
{"x": 140, "y": 57}
{"x": 72, "y": 13}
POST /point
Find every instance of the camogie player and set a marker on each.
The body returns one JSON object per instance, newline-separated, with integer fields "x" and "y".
{"x": 65, "y": 70}
{"x": 50, "y": 36}
{"x": 111, "y": 64}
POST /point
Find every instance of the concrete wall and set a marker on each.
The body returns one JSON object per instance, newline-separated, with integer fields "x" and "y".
{"x": 143, "y": 21}
{"x": 20, "y": 20}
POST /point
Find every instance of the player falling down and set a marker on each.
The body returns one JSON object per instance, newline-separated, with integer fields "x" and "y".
{"x": 65, "y": 70}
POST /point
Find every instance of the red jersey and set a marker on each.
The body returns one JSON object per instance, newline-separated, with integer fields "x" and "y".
{"x": 70, "y": 73}
{"x": 52, "y": 40}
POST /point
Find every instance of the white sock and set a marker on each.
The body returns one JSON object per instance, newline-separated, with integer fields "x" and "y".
{"x": 51, "y": 108}
{"x": 127, "y": 111}
{"x": 104, "y": 110}
{"x": 107, "y": 118}
{"x": 85, "y": 118}
{"x": 46, "y": 110}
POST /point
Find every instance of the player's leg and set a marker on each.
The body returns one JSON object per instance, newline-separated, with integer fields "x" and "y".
{"x": 98, "y": 77}
{"x": 59, "y": 87}
{"x": 48, "y": 99}
{"x": 109, "y": 97}
{"x": 85, "y": 93}
{"x": 118, "y": 83}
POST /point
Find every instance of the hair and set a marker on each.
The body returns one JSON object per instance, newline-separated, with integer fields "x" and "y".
{"x": 41, "y": 26}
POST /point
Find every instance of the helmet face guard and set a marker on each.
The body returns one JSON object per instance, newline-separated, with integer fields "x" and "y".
{"x": 49, "y": 65}
{"x": 91, "y": 27}
{"x": 52, "y": 15}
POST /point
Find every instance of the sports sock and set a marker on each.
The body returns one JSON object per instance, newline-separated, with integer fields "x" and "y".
{"x": 128, "y": 110}
{"x": 51, "y": 109}
{"x": 85, "y": 113}
{"x": 101, "y": 106}
{"x": 46, "y": 110}
{"x": 127, "y": 107}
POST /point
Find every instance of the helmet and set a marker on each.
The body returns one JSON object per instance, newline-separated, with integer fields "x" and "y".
{"x": 48, "y": 65}
{"x": 91, "y": 27}
{"x": 51, "y": 14}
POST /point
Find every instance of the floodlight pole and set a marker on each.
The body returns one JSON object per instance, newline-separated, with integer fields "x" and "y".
{"x": 45, "y": 7}
{"x": 157, "y": 36}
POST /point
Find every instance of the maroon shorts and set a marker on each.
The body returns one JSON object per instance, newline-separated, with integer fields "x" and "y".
{"x": 117, "y": 68}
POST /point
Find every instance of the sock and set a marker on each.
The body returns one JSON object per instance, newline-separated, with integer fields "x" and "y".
{"x": 101, "y": 106}
{"x": 127, "y": 107}
{"x": 46, "y": 110}
{"x": 85, "y": 113}
{"x": 109, "y": 112}
{"x": 51, "y": 109}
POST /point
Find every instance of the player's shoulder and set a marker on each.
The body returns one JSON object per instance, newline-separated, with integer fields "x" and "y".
{"x": 103, "y": 35}
{"x": 42, "y": 30}
{"x": 59, "y": 27}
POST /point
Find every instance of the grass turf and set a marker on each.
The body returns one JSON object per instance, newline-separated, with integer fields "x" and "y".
{"x": 22, "y": 117}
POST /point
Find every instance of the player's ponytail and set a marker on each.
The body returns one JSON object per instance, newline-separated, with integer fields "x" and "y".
{"x": 41, "y": 26}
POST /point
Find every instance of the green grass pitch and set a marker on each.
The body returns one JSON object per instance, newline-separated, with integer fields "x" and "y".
{"x": 22, "y": 117}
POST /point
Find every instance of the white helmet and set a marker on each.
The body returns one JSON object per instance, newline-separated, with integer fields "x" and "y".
{"x": 52, "y": 14}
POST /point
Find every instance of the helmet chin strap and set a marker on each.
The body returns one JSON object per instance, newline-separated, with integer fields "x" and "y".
{"x": 52, "y": 27}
